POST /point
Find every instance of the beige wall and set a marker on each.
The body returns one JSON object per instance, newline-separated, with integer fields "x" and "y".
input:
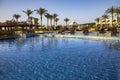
{"x": 108, "y": 21}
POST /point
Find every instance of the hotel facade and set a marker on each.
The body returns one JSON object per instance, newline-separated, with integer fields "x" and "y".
{"x": 108, "y": 22}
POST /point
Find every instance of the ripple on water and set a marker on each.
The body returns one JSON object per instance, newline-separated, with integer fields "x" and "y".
{"x": 42, "y": 58}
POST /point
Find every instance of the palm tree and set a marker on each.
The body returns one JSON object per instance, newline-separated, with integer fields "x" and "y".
{"x": 51, "y": 18}
{"x": 56, "y": 20}
{"x": 111, "y": 11}
{"x": 105, "y": 16}
{"x": 28, "y": 12}
{"x": 47, "y": 15}
{"x": 117, "y": 12}
{"x": 54, "y": 17}
{"x": 41, "y": 12}
{"x": 66, "y": 20}
{"x": 16, "y": 16}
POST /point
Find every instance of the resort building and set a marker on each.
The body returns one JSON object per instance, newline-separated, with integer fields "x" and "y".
{"x": 80, "y": 26}
{"x": 73, "y": 23}
{"x": 108, "y": 22}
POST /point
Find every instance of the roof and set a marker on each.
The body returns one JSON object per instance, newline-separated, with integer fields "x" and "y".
{"x": 9, "y": 24}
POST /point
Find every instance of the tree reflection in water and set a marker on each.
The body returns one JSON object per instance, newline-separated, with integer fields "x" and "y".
{"x": 112, "y": 45}
{"x": 114, "y": 56}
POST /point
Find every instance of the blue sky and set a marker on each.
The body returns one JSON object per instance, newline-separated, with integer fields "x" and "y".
{"x": 81, "y": 11}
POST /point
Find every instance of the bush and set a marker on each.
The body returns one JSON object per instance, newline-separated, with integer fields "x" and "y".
{"x": 39, "y": 29}
{"x": 6, "y": 33}
{"x": 72, "y": 30}
{"x": 58, "y": 27}
{"x": 18, "y": 29}
{"x": 62, "y": 29}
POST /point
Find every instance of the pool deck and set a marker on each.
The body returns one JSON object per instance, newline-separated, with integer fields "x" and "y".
{"x": 88, "y": 37}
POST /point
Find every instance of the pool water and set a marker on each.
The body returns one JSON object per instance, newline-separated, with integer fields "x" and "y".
{"x": 45, "y": 58}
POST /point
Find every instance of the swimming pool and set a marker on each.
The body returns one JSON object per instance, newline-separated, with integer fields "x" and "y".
{"x": 45, "y": 58}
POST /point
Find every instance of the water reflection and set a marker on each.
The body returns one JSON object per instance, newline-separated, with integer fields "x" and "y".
{"x": 112, "y": 45}
{"x": 114, "y": 57}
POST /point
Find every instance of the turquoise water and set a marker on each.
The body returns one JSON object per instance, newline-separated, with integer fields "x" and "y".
{"x": 43, "y": 58}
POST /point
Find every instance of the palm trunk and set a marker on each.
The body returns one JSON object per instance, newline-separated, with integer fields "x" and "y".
{"x": 47, "y": 21}
{"x": 29, "y": 21}
{"x": 66, "y": 24}
{"x": 17, "y": 22}
{"x": 56, "y": 25}
{"x": 51, "y": 22}
{"x": 28, "y": 17}
{"x": 41, "y": 20}
{"x": 49, "y": 27}
{"x": 54, "y": 21}
{"x": 118, "y": 20}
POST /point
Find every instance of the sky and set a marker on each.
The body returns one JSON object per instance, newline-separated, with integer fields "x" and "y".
{"x": 81, "y": 11}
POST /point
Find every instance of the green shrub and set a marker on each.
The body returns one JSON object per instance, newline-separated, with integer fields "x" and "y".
{"x": 6, "y": 33}
{"x": 72, "y": 30}
{"x": 58, "y": 27}
{"x": 18, "y": 29}
{"x": 62, "y": 29}
{"x": 39, "y": 29}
